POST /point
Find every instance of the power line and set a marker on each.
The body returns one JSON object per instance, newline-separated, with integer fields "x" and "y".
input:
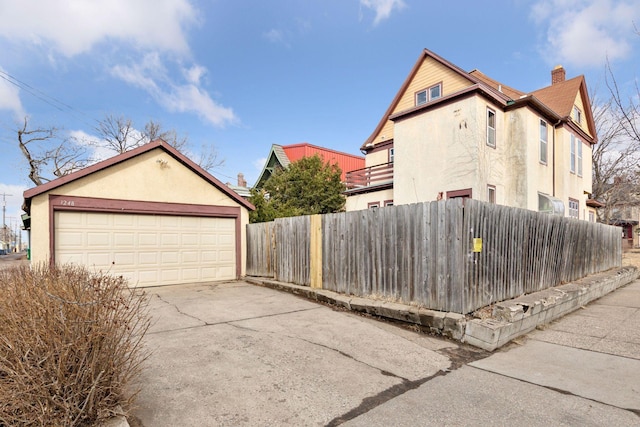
{"x": 48, "y": 99}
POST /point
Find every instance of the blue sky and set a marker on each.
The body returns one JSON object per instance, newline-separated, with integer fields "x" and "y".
{"x": 242, "y": 75}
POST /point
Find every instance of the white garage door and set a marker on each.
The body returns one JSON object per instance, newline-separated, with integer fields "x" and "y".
{"x": 149, "y": 250}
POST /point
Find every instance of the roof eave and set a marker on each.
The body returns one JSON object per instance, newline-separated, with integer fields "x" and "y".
{"x": 190, "y": 164}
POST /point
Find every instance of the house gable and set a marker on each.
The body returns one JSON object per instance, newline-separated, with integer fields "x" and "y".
{"x": 561, "y": 97}
{"x": 276, "y": 159}
{"x": 429, "y": 70}
{"x": 159, "y": 150}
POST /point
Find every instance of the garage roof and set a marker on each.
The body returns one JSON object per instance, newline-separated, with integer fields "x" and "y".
{"x": 159, "y": 143}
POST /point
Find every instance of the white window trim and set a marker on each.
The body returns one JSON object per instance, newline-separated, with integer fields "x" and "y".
{"x": 491, "y": 189}
{"x": 572, "y": 154}
{"x": 574, "y": 208}
{"x": 544, "y": 142}
{"x": 579, "y": 161}
{"x": 489, "y": 128}
{"x": 427, "y": 94}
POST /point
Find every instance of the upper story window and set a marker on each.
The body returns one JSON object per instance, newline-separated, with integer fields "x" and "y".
{"x": 391, "y": 152}
{"x": 577, "y": 114}
{"x": 579, "y": 144}
{"x": 430, "y": 94}
{"x": 572, "y": 155}
{"x": 574, "y": 208}
{"x": 544, "y": 139}
{"x": 491, "y": 127}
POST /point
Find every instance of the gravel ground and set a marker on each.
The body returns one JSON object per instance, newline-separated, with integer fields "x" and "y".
{"x": 9, "y": 261}
{"x": 631, "y": 257}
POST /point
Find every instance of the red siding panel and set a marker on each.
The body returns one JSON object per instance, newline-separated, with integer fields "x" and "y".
{"x": 347, "y": 162}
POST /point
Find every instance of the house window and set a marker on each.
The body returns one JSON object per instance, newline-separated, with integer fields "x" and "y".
{"x": 388, "y": 202}
{"x": 373, "y": 205}
{"x": 579, "y": 143}
{"x": 544, "y": 138}
{"x": 572, "y": 155}
{"x": 574, "y": 207}
{"x": 491, "y": 193}
{"x": 592, "y": 217}
{"x": 577, "y": 114}
{"x": 491, "y": 127}
{"x": 435, "y": 92}
{"x": 430, "y": 94}
{"x": 391, "y": 153}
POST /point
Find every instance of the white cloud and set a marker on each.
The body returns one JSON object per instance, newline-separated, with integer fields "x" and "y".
{"x": 259, "y": 163}
{"x": 586, "y": 32}
{"x": 274, "y": 36}
{"x": 382, "y": 8}
{"x": 74, "y": 27}
{"x": 189, "y": 96}
{"x": 9, "y": 96}
{"x": 97, "y": 151}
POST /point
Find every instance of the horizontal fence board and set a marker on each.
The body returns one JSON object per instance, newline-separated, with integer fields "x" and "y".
{"x": 424, "y": 253}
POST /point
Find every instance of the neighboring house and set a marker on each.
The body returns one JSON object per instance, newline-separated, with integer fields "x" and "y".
{"x": 281, "y": 156}
{"x": 241, "y": 187}
{"x": 451, "y": 133}
{"x": 150, "y": 214}
{"x": 627, "y": 218}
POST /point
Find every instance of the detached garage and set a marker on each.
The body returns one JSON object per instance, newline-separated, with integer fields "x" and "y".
{"x": 150, "y": 214}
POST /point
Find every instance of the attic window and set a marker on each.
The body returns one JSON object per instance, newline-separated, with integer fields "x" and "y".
{"x": 577, "y": 114}
{"x": 430, "y": 94}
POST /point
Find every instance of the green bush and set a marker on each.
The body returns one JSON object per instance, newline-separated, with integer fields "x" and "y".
{"x": 70, "y": 342}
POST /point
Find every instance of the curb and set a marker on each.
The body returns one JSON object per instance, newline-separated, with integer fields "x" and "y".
{"x": 521, "y": 315}
{"x": 510, "y": 319}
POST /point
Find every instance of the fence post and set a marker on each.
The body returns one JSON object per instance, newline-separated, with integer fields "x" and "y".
{"x": 315, "y": 255}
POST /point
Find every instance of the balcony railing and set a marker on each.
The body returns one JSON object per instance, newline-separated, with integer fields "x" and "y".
{"x": 371, "y": 176}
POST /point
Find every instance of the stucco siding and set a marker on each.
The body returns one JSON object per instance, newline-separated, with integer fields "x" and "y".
{"x": 377, "y": 158}
{"x": 361, "y": 201}
{"x": 446, "y": 150}
{"x": 430, "y": 73}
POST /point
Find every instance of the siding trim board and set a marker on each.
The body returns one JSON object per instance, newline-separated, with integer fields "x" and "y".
{"x": 59, "y": 203}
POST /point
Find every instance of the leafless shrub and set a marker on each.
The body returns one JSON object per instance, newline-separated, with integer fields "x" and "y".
{"x": 70, "y": 342}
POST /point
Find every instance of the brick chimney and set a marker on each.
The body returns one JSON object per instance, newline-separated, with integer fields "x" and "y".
{"x": 241, "y": 181}
{"x": 558, "y": 74}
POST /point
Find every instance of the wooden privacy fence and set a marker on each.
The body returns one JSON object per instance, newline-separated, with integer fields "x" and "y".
{"x": 441, "y": 255}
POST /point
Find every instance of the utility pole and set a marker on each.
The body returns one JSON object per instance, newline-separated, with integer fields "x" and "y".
{"x": 4, "y": 222}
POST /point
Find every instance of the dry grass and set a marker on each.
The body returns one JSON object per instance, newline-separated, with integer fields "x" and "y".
{"x": 70, "y": 342}
{"x": 631, "y": 257}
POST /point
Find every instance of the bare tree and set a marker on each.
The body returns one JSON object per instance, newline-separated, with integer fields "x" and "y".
{"x": 118, "y": 134}
{"x": 47, "y": 154}
{"x": 617, "y": 155}
{"x": 42, "y": 149}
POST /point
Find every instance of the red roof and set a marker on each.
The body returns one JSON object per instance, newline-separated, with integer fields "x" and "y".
{"x": 346, "y": 162}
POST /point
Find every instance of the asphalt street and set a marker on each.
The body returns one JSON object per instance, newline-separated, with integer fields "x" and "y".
{"x": 230, "y": 354}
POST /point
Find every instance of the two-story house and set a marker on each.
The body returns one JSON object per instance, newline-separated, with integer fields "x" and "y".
{"x": 451, "y": 133}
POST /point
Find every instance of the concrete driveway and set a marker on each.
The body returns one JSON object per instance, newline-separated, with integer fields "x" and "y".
{"x": 239, "y": 354}
{"x": 235, "y": 354}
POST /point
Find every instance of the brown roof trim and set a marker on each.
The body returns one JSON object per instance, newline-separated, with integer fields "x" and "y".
{"x": 380, "y": 146}
{"x": 466, "y": 92}
{"x": 595, "y": 204}
{"x": 40, "y": 189}
{"x": 368, "y": 189}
